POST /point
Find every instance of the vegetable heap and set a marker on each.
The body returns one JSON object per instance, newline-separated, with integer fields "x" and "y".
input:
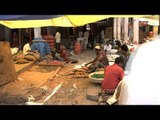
{"x": 98, "y": 76}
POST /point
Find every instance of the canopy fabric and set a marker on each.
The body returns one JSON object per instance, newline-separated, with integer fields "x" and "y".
{"x": 27, "y": 17}
{"x": 62, "y": 21}
{"x": 76, "y": 20}
{"x": 152, "y": 20}
{"x": 30, "y": 21}
{"x": 26, "y": 23}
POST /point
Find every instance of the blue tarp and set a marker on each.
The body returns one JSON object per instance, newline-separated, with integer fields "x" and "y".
{"x": 27, "y": 17}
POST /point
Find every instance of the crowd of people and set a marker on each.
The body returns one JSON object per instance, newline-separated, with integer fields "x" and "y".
{"x": 113, "y": 74}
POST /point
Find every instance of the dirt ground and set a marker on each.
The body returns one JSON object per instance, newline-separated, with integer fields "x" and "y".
{"x": 72, "y": 92}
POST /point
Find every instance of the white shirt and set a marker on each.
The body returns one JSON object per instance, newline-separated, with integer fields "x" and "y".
{"x": 58, "y": 37}
{"x": 14, "y": 50}
{"x": 26, "y": 48}
{"x": 108, "y": 48}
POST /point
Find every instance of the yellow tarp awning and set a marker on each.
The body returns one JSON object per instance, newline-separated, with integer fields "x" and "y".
{"x": 26, "y": 23}
{"x": 63, "y": 21}
{"x": 76, "y": 20}
{"x": 152, "y": 20}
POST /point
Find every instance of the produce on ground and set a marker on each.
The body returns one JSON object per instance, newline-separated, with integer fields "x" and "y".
{"x": 98, "y": 76}
{"x": 54, "y": 63}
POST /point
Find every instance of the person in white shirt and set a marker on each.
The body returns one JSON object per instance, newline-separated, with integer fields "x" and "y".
{"x": 102, "y": 36}
{"x": 58, "y": 41}
{"x": 107, "y": 47}
{"x": 86, "y": 36}
{"x": 14, "y": 50}
{"x": 80, "y": 38}
{"x": 26, "y": 48}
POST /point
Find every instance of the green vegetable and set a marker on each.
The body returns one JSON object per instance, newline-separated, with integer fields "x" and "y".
{"x": 98, "y": 76}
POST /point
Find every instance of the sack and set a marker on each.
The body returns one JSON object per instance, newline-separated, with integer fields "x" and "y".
{"x": 21, "y": 61}
{"x": 20, "y": 57}
{"x": 34, "y": 54}
{"x": 30, "y": 58}
{"x": 15, "y": 58}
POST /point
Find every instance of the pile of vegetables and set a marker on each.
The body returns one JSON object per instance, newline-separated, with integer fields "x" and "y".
{"x": 51, "y": 63}
{"x": 78, "y": 73}
{"x": 56, "y": 62}
{"x": 97, "y": 76}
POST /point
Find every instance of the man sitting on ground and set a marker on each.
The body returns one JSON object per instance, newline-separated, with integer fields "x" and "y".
{"x": 41, "y": 46}
{"x": 107, "y": 47}
{"x": 112, "y": 76}
{"x": 101, "y": 60}
{"x": 63, "y": 54}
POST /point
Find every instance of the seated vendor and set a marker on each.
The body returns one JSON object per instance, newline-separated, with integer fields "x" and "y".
{"x": 77, "y": 47}
{"x": 41, "y": 46}
{"x": 112, "y": 76}
{"x": 64, "y": 54}
{"x": 101, "y": 60}
{"x": 107, "y": 47}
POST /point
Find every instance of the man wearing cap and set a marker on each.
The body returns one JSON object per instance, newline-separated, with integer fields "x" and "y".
{"x": 101, "y": 61}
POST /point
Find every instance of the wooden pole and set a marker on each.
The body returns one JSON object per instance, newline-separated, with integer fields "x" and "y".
{"x": 37, "y": 32}
{"x": 48, "y": 31}
{"x": 125, "y": 29}
{"x": 119, "y": 29}
{"x": 20, "y": 41}
{"x": 155, "y": 30}
{"x": 136, "y": 30}
{"x": 115, "y": 28}
{"x": 30, "y": 35}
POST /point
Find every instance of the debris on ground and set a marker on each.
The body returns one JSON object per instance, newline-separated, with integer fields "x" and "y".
{"x": 37, "y": 93}
{"x": 44, "y": 88}
{"x": 92, "y": 94}
{"x": 33, "y": 103}
{"x": 53, "y": 92}
{"x": 74, "y": 85}
{"x": 31, "y": 98}
{"x": 20, "y": 79}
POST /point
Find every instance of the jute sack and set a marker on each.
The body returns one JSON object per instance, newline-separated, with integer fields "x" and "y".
{"x": 30, "y": 58}
{"x": 21, "y": 61}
